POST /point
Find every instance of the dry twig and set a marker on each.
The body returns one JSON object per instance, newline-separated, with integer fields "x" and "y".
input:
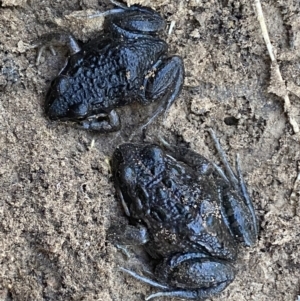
{"x": 294, "y": 197}
{"x": 275, "y": 68}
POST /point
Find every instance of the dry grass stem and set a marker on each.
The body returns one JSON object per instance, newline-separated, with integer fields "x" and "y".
{"x": 275, "y": 68}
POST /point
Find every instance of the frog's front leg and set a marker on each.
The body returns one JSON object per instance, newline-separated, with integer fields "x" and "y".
{"x": 190, "y": 276}
{"x": 164, "y": 85}
{"x": 123, "y": 236}
{"x": 128, "y": 235}
{"x": 107, "y": 123}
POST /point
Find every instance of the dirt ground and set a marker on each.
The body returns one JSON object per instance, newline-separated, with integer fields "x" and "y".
{"x": 57, "y": 195}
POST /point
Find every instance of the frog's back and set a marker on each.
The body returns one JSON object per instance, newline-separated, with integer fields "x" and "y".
{"x": 183, "y": 214}
{"x": 111, "y": 73}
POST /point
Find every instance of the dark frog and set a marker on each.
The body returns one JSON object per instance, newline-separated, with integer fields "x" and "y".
{"x": 187, "y": 213}
{"x": 127, "y": 63}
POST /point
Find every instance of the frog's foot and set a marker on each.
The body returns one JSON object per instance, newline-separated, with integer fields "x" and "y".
{"x": 102, "y": 14}
{"x": 239, "y": 215}
{"x": 199, "y": 294}
{"x": 104, "y": 124}
{"x": 56, "y": 39}
{"x": 144, "y": 279}
{"x": 119, "y": 4}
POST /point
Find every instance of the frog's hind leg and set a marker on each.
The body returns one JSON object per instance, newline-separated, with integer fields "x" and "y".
{"x": 164, "y": 86}
{"x": 191, "y": 276}
{"x": 231, "y": 206}
{"x": 199, "y": 163}
{"x": 235, "y": 203}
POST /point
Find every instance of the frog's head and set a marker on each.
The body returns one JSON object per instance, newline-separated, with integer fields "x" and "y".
{"x": 134, "y": 166}
{"x": 124, "y": 157}
{"x": 138, "y": 156}
{"x": 62, "y": 103}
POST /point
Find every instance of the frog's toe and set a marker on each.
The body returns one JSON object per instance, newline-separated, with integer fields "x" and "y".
{"x": 55, "y": 39}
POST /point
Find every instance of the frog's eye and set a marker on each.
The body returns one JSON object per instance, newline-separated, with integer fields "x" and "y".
{"x": 153, "y": 158}
{"x": 128, "y": 176}
{"x": 62, "y": 84}
{"x": 157, "y": 152}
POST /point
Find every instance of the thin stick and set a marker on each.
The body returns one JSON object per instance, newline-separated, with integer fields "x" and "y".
{"x": 294, "y": 197}
{"x": 287, "y": 103}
